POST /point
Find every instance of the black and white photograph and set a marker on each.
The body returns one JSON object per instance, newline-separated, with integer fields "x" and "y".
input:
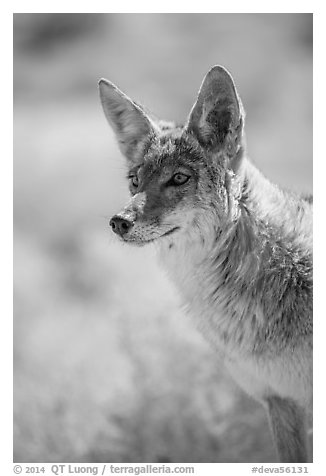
{"x": 163, "y": 273}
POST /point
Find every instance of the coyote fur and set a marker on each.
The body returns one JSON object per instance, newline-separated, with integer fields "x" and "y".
{"x": 238, "y": 248}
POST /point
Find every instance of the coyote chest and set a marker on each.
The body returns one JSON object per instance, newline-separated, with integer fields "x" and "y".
{"x": 236, "y": 327}
{"x": 227, "y": 322}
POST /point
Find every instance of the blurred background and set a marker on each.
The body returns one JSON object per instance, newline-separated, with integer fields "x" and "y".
{"x": 106, "y": 366}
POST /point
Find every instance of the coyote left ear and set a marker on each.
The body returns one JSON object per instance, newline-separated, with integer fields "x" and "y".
{"x": 217, "y": 117}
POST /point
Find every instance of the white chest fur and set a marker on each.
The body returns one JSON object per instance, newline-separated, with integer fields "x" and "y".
{"x": 231, "y": 335}
{"x": 189, "y": 265}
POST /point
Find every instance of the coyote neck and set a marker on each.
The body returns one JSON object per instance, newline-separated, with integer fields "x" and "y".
{"x": 249, "y": 279}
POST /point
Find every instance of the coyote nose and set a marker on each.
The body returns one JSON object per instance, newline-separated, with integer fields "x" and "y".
{"x": 119, "y": 225}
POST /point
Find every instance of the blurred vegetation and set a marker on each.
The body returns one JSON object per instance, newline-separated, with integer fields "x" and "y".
{"x": 107, "y": 367}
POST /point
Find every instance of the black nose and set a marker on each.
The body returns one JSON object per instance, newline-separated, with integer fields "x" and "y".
{"x": 119, "y": 225}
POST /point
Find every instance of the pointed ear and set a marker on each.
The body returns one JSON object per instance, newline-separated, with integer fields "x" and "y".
{"x": 129, "y": 122}
{"x": 217, "y": 117}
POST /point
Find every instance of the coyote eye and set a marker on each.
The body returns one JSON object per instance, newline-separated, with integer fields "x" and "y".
{"x": 179, "y": 179}
{"x": 134, "y": 181}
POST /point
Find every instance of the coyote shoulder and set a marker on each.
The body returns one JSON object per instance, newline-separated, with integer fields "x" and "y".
{"x": 238, "y": 248}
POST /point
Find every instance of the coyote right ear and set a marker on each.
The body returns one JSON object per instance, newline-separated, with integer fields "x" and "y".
{"x": 217, "y": 117}
{"x": 129, "y": 122}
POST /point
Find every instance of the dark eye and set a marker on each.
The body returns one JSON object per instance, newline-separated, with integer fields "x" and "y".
{"x": 134, "y": 181}
{"x": 179, "y": 179}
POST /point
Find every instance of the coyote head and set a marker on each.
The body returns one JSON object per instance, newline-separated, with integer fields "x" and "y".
{"x": 180, "y": 178}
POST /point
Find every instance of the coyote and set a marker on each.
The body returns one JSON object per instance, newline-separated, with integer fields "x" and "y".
{"x": 238, "y": 248}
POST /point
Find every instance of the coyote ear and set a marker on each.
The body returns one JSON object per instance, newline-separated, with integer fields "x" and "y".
{"x": 129, "y": 122}
{"x": 217, "y": 117}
